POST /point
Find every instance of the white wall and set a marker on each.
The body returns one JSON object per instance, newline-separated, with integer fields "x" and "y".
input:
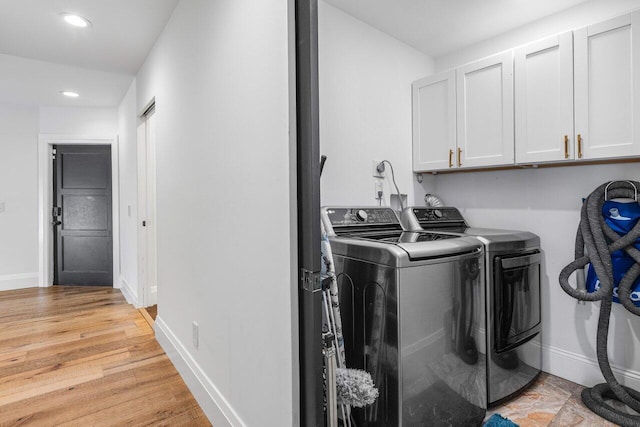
{"x": 365, "y": 107}
{"x": 127, "y": 143}
{"x": 220, "y": 77}
{"x": 576, "y": 17}
{"x": 79, "y": 121}
{"x": 547, "y": 202}
{"x": 19, "y": 129}
{"x": 19, "y": 194}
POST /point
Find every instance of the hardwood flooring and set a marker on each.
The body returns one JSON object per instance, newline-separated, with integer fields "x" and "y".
{"x": 152, "y": 311}
{"x": 82, "y": 356}
{"x": 150, "y": 314}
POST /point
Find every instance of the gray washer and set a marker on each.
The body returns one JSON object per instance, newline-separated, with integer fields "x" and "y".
{"x": 402, "y": 296}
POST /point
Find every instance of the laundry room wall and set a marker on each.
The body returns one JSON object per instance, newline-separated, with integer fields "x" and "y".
{"x": 547, "y": 201}
{"x": 365, "y": 107}
{"x": 18, "y": 197}
{"x": 219, "y": 73}
{"x": 127, "y": 150}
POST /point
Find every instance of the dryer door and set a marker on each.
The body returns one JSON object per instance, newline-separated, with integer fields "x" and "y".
{"x": 516, "y": 298}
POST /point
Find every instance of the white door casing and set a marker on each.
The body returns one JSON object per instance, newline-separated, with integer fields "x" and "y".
{"x": 147, "y": 225}
{"x": 45, "y": 200}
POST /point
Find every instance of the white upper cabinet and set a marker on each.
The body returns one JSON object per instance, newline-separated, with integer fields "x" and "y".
{"x": 571, "y": 97}
{"x": 485, "y": 112}
{"x": 434, "y": 122}
{"x": 607, "y": 88}
{"x": 544, "y": 100}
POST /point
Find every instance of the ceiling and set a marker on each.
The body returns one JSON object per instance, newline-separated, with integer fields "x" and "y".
{"x": 438, "y": 27}
{"x": 40, "y": 54}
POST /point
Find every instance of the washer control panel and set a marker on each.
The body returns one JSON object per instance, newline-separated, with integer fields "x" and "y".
{"x": 356, "y": 216}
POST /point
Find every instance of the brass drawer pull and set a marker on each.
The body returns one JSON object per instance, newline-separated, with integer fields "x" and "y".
{"x": 459, "y": 156}
{"x": 450, "y": 158}
{"x": 566, "y": 146}
{"x": 579, "y": 146}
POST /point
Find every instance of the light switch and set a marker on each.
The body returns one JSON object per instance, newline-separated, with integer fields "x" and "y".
{"x": 1, "y": 206}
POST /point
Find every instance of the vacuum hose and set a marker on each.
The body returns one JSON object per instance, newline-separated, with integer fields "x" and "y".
{"x": 594, "y": 234}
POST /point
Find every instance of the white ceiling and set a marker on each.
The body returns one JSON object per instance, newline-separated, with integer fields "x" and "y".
{"x": 438, "y": 27}
{"x": 40, "y": 54}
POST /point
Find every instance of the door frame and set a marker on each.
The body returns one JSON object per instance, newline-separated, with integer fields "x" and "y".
{"x": 308, "y": 215}
{"x": 147, "y": 235}
{"x": 45, "y": 200}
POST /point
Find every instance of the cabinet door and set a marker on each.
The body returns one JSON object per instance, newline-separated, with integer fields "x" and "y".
{"x": 434, "y": 122}
{"x": 485, "y": 112}
{"x": 544, "y": 100}
{"x": 607, "y": 88}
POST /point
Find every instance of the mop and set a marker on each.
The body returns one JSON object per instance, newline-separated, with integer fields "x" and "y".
{"x": 603, "y": 245}
{"x": 354, "y": 387}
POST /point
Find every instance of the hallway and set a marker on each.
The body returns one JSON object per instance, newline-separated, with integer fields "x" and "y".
{"x": 83, "y": 356}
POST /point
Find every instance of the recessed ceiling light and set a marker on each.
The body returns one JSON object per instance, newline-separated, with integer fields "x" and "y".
{"x": 76, "y": 20}
{"x": 69, "y": 93}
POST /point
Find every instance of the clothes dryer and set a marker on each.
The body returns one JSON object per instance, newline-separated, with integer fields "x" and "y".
{"x": 513, "y": 352}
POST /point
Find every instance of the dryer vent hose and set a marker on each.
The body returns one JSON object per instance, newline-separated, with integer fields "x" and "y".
{"x": 432, "y": 201}
{"x": 600, "y": 241}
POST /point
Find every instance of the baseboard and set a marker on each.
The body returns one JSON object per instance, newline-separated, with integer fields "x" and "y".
{"x": 583, "y": 370}
{"x": 126, "y": 290}
{"x": 212, "y": 402}
{"x": 10, "y": 282}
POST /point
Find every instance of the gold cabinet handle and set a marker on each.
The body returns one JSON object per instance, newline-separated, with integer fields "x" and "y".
{"x": 579, "y": 146}
{"x": 459, "y": 156}
{"x": 566, "y": 146}
{"x": 450, "y": 158}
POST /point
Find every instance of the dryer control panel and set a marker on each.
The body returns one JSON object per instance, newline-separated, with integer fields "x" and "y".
{"x": 429, "y": 218}
{"x": 439, "y": 214}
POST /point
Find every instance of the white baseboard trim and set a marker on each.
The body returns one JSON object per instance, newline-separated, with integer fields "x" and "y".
{"x": 126, "y": 290}
{"x": 212, "y": 402}
{"x": 10, "y": 282}
{"x": 583, "y": 370}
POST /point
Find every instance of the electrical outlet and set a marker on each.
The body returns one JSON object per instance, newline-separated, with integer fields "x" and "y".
{"x": 374, "y": 169}
{"x": 377, "y": 187}
{"x": 195, "y": 334}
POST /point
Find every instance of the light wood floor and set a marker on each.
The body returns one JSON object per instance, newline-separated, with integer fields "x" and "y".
{"x": 152, "y": 311}
{"x": 82, "y": 356}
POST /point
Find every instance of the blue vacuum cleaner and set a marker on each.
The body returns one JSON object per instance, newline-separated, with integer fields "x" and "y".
{"x": 610, "y": 231}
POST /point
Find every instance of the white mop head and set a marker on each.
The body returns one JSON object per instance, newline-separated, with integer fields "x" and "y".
{"x": 355, "y": 387}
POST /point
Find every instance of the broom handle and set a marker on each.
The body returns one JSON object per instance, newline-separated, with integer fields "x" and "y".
{"x": 332, "y": 399}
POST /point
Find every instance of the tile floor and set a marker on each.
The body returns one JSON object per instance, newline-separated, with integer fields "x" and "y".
{"x": 550, "y": 401}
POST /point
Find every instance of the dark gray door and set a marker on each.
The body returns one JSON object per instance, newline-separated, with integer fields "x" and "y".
{"x": 82, "y": 215}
